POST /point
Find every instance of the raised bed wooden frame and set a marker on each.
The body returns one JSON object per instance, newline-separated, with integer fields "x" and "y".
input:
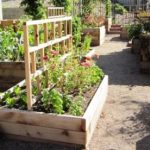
{"x": 62, "y": 128}
{"x": 50, "y": 127}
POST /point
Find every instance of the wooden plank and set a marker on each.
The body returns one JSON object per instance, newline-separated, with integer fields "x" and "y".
{"x": 11, "y": 90}
{"x": 51, "y": 17}
{"x": 39, "y": 89}
{"x": 42, "y": 119}
{"x": 60, "y": 29}
{"x": 52, "y": 42}
{"x": 45, "y": 32}
{"x": 33, "y": 62}
{"x": 94, "y": 109}
{"x": 53, "y": 30}
{"x": 36, "y": 35}
{"x": 27, "y": 68}
{"x": 43, "y": 133}
{"x": 41, "y": 57}
{"x": 65, "y": 28}
{"x": 38, "y": 22}
{"x": 55, "y": 7}
{"x": 70, "y": 26}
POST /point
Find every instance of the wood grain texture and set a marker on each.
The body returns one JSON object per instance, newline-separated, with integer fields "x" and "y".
{"x": 43, "y": 133}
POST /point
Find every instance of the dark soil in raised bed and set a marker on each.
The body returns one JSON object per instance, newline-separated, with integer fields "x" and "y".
{"x": 38, "y": 106}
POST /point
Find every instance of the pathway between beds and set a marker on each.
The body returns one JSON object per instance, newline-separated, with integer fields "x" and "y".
{"x": 125, "y": 121}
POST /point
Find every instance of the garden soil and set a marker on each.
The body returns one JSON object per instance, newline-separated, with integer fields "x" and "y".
{"x": 125, "y": 121}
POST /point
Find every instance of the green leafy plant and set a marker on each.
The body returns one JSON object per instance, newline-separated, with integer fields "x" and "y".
{"x": 76, "y": 106}
{"x": 53, "y": 99}
{"x": 10, "y": 102}
{"x": 17, "y": 90}
{"x": 77, "y": 27}
{"x": 86, "y": 44}
{"x": 11, "y": 47}
{"x": 134, "y": 30}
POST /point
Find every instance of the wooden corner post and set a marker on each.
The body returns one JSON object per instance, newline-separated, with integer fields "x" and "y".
{"x": 27, "y": 67}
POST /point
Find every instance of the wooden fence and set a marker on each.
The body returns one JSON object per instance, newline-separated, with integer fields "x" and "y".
{"x": 55, "y": 12}
{"x": 9, "y": 22}
{"x": 60, "y": 33}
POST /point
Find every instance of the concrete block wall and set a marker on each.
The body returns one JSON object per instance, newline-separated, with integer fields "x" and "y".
{"x": 12, "y": 13}
{"x": 1, "y": 15}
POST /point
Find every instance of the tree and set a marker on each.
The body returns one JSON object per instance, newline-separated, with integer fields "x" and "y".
{"x": 34, "y": 8}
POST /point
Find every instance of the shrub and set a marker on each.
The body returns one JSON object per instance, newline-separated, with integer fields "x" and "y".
{"x": 34, "y": 8}
{"x": 134, "y": 30}
{"x": 77, "y": 27}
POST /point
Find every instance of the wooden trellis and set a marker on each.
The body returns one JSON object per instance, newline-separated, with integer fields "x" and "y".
{"x": 55, "y": 12}
{"x": 60, "y": 33}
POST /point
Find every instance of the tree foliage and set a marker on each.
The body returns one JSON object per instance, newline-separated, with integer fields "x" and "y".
{"x": 34, "y": 8}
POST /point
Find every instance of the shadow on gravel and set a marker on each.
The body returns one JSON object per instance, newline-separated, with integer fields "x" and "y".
{"x": 138, "y": 124}
{"x": 144, "y": 117}
{"x": 117, "y": 39}
{"x": 123, "y": 68}
{"x": 8, "y": 144}
{"x": 143, "y": 144}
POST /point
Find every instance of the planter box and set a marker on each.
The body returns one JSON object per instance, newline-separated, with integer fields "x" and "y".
{"x": 124, "y": 34}
{"x": 97, "y": 35}
{"x": 136, "y": 46}
{"x": 53, "y": 127}
{"x": 108, "y": 24}
{"x": 10, "y": 74}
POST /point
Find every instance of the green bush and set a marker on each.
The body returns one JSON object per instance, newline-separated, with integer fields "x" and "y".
{"x": 134, "y": 30}
{"x": 77, "y": 27}
{"x": 34, "y": 8}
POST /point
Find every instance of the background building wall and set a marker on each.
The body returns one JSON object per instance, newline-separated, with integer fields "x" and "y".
{"x": 1, "y": 15}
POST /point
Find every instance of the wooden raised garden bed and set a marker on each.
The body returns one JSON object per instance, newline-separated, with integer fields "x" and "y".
{"x": 11, "y": 73}
{"x": 145, "y": 53}
{"x": 50, "y": 126}
{"x": 12, "y": 70}
{"x": 124, "y": 34}
{"x": 61, "y": 128}
{"x": 97, "y": 34}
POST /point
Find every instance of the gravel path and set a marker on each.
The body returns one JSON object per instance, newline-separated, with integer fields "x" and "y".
{"x": 125, "y": 121}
